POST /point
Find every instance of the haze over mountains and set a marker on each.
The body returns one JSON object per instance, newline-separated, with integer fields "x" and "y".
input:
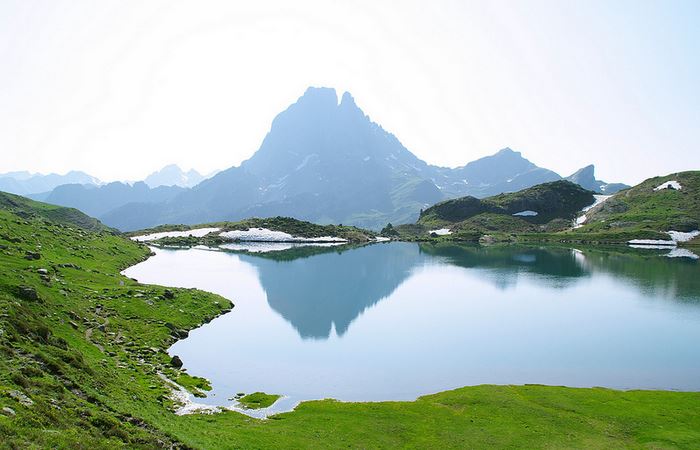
{"x": 323, "y": 160}
{"x": 24, "y": 183}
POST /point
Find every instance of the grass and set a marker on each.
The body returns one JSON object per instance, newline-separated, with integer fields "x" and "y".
{"x": 196, "y": 385}
{"x": 80, "y": 364}
{"x": 258, "y": 400}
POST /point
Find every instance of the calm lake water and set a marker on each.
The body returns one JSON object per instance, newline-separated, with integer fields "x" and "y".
{"x": 398, "y": 320}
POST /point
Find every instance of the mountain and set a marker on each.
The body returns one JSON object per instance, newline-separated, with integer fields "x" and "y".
{"x": 24, "y": 183}
{"x": 506, "y": 171}
{"x": 585, "y": 177}
{"x": 324, "y": 161}
{"x": 99, "y": 200}
{"x": 172, "y": 175}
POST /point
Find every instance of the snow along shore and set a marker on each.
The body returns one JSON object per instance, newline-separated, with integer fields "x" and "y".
{"x": 676, "y": 237}
{"x": 198, "y": 232}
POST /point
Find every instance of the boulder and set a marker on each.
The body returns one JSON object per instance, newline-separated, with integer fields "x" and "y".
{"x": 176, "y": 362}
{"x": 28, "y": 293}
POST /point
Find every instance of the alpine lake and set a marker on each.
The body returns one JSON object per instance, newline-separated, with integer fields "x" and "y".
{"x": 394, "y": 321}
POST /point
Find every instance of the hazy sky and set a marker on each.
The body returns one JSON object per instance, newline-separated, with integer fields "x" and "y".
{"x": 121, "y": 88}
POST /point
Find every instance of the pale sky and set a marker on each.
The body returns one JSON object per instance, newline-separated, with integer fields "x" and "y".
{"x": 121, "y": 88}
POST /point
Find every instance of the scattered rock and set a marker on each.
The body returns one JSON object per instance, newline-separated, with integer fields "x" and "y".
{"x": 169, "y": 294}
{"x": 32, "y": 256}
{"x": 8, "y": 411}
{"x": 176, "y": 362}
{"x": 28, "y": 293}
{"x": 22, "y": 398}
{"x": 42, "y": 271}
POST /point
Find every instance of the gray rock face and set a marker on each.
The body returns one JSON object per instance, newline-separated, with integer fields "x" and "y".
{"x": 585, "y": 177}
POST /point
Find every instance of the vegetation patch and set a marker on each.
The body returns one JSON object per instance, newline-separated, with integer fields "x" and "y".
{"x": 196, "y": 385}
{"x": 258, "y": 400}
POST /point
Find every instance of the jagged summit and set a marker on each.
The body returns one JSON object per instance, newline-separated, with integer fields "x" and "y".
{"x": 585, "y": 177}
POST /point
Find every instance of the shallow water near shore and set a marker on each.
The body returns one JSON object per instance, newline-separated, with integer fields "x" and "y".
{"x": 394, "y": 321}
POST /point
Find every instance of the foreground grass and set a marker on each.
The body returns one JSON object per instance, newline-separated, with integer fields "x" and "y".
{"x": 82, "y": 347}
{"x": 472, "y": 417}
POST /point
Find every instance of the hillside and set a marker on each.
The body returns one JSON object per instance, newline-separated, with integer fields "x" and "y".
{"x": 548, "y": 206}
{"x": 29, "y": 209}
{"x": 647, "y": 208}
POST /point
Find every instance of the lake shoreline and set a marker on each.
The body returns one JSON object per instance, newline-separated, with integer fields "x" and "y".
{"x": 463, "y": 386}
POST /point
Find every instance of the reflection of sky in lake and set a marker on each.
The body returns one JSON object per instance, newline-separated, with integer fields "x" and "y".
{"x": 394, "y": 321}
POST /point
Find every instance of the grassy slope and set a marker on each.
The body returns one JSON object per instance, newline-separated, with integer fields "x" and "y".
{"x": 87, "y": 350}
{"x": 642, "y": 209}
{"x": 23, "y": 206}
{"x": 98, "y": 388}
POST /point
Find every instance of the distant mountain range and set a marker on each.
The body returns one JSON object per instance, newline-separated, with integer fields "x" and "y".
{"x": 97, "y": 201}
{"x": 172, "y": 175}
{"x": 324, "y": 161}
{"x": 23, "y": 183}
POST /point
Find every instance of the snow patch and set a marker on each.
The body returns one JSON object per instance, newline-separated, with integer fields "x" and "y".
{"x": 680, "y": 236}
{"x": 265, "y": 235}
{"x": 673, "y": 184}
{"x": 198, "y": 232}
{"x": 526, "y": 213}
{"x": 305, "y": 161}
{"x": 381, "y": 239}
{"x": 441, "y": 232}
{"x": 598, "y": 199}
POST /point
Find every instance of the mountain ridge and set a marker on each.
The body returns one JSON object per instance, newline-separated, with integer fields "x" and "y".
{"x": 324, "y": 160}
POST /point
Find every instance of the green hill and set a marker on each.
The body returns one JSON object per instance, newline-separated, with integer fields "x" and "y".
{"x": 545, "y": 207}
{"x": 643, "y": 209}
{"x": 26, "y": 208}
